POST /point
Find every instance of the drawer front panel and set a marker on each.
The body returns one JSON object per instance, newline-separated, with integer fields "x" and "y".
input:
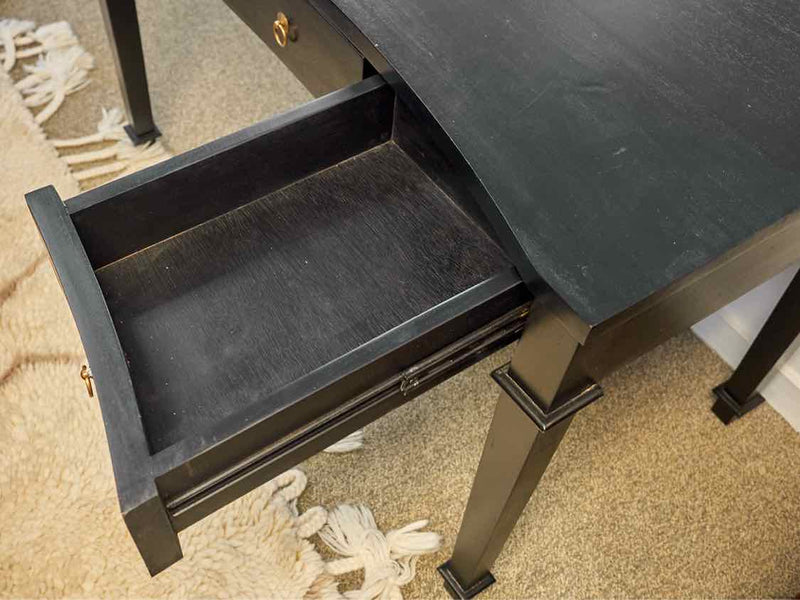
{"x": 318, "y": 55}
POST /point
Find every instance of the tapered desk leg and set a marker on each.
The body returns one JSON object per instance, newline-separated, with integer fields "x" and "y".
{"x": 542, "y": 390}
{"x": 738, "y": 395}
{"x": 514, "y": 459}
{"x": 122, "y": 27}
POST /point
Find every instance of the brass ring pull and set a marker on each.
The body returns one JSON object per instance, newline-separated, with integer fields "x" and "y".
{"x": 86, "y": 375}
{"x": 280, "y": 29}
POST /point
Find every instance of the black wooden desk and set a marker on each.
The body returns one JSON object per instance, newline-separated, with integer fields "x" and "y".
{"x": 638, "y": 163}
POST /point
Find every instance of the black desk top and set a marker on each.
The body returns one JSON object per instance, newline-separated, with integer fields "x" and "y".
{"x": 622, "y": 143}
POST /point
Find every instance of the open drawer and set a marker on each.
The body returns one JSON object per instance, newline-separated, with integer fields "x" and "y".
{"x": 246, "y": 304}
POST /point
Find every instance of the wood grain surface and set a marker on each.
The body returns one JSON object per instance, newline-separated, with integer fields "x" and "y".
{"x": 133, "y": 212}
{"x": 228, "y": 312}
{"x": 623, "y": 144}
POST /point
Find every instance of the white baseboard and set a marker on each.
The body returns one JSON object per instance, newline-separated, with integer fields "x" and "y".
{"x": 779, "y": 390}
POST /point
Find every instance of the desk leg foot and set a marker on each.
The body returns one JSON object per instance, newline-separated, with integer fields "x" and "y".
{"x": 456, "y": 590}
{"x": 727, "y": 408}
{"x": 777, "y": 335}
{"x": 142, "y": 138}
{"x": 122, "y": 27}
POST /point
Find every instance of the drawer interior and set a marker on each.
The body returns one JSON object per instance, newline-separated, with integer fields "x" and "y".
{"x": 218, "y": 316}
{"x": 234, "y": 271}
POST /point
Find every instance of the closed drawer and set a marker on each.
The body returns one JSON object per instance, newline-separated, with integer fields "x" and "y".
{"x": 318, "y": 55}
{"x": 254, "y": 298}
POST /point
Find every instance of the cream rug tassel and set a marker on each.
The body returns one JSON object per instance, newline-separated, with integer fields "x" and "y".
{"x": 53, "y": 36}
{"x": 110, "y": 128}
{"x": 124, "y": 156}
{"x": 10, "y": 29}
{"x": 54, "y": 76}
{"x": 389, "y": 561}
{"x": 127, "y": 157}
{"x": 354, "y": 441}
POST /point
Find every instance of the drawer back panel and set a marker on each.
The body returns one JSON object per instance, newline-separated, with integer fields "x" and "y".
{"x": 127, "y": 215}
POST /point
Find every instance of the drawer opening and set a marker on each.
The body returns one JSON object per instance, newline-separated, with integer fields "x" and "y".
{"x": 217, "y": 316}
{"x": 247, "y": 303}
{"x": 239, "y": 273}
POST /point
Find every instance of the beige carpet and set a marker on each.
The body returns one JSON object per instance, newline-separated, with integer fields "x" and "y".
{"x": 649, "y": 496}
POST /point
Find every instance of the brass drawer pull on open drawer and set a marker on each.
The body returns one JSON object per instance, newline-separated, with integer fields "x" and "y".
{"x": 86, "y": 375}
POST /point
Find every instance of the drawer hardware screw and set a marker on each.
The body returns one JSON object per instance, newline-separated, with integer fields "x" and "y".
{"x": 280, "y": 29}
{"x": 86, "y": 375}
{"x": 408, "y": 381}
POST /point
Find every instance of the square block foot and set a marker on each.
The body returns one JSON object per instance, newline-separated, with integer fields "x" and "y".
{"x": 456, "y": 590}
{"x": 727, "y": 409}
{"x": 143, "y": 138}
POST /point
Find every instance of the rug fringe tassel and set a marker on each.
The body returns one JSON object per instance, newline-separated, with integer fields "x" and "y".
{"x": 389, "y": 561}
{"x": 55, "y": 75}
{"x": 290, "y": 485}
{"x": 110, "y": 128}
{"x": 53, "y": 36}
{"x": 62, "y": 69}
{"x": 9, "y": 30}
{"x": 354, "y": 441}
{"x": 128, "y": 158}
{"x": 123, "y": 154}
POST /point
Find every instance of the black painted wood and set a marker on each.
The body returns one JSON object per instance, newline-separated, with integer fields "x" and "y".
{"x": 423, "y": 141}
{"x": 228, "y": 312}
{"x": 776, "y": 336}
{"x": 122, "y": 28}
{"x": 203, "y": 183}
{"x": 606, "y": 142}
{"x": 622, "y": 144}
{"x": 318, "y": 55}
{"x": 200, "y": 474}
{"x": 739, "y": 395}
{"x": 142, "y": 507}
{"x": 193, "y": 461}
{"x": 246, "y": 303}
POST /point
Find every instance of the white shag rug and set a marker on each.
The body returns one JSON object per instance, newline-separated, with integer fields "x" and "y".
{"x": 61, "y": 534}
